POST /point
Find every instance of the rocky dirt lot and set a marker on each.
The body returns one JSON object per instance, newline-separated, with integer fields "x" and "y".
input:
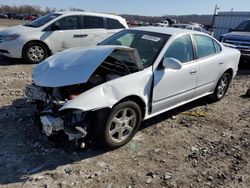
{"x": 201, "y": 144}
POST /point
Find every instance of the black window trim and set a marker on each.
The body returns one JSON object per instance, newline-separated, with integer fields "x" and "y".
{"x": 103, "y": 18}
{"x": 106, "y": 23}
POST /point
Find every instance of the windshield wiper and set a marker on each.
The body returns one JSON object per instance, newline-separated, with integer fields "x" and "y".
{"x": 30, "y": 25}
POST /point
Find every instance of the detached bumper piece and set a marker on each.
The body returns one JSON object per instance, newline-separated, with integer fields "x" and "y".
{"x": 52, "y": 125}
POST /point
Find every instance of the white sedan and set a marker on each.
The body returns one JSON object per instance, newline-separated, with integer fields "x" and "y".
{"x": 106, "y": 91}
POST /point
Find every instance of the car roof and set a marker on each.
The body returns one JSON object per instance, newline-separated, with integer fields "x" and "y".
{"x": 89, "y": 13}
{"x": 167, "y": 30}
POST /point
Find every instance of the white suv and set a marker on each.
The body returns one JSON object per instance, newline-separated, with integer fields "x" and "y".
{"x": 57, "y": 31}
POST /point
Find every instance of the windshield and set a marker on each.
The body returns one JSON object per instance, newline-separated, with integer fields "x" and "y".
{"x": 42, "y": 20}
{"x": 244, "y": 26}
{"x": 148, "y": 44}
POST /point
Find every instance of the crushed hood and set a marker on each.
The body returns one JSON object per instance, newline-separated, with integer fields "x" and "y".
{"x": 74, "y": 66}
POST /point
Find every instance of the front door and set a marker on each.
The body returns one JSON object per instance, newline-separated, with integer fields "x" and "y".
{"x": 172, "y": 87}
{"x": 65, "y": 33}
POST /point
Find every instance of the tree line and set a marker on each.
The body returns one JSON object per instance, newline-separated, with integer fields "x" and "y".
{"x": 202, "y": 19}
{"x": 24, "y": 9}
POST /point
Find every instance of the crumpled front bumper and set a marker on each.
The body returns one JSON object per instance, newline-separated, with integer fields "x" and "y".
{"x": 51, "y": 124}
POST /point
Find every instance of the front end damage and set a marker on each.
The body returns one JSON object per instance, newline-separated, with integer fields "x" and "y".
{"x": 58, "y": 84}
{"x": 49, "y": 101}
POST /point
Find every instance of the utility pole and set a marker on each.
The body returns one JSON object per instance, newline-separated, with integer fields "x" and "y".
{"x": 215, "y": 13}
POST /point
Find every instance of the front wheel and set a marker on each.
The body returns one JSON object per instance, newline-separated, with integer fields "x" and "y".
{"x": 221, "y": 87}
{"x": 35, "y": 52}
{"x": 121, "y": 125}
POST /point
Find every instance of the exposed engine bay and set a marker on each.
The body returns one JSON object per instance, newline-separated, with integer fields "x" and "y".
{"x": 74, "y": 123}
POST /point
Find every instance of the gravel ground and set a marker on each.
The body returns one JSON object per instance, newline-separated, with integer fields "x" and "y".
{"x": 201, "y": 144}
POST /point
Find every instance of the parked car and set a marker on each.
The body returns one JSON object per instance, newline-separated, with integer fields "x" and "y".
{"x": 15, "y": 16}
{"x": 164, "y": 23}
{"x": 4, "y": 16}
{"x": 240, "y": 38}
{"x": 190, "y": 27}
{"x": 133, "y": 75}
{"x": 57, "y": 31}
{"x": 31, "y": 17}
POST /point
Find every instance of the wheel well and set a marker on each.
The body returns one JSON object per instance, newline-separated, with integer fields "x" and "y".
{"x": 138, "y": 101}
{"x": 231, "y": 72}
{"x": 38, "y": 41}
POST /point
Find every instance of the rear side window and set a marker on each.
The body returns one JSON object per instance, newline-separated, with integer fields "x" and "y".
{"x": 93, "y": 22}
{"x": 244, "y": 26}
{"x": 217, "y": 47}
{"x": 204, "y": 46}
{"x": 181, "y": 49}
{"x": 114, "y": 24}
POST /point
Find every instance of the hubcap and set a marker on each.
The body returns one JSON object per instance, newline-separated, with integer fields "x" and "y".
{"x": 122, "y": 125}
{"x": 222, "y": 87}
{"x": 36, "y": 53}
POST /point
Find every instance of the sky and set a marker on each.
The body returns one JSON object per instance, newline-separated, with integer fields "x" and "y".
{"x": 141, "y": 7}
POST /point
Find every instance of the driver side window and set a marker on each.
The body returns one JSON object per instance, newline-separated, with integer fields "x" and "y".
{"x": 66, "y": 23}
{"x": 181, "y": 49}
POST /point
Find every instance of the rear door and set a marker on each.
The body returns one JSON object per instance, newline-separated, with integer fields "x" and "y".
{"x": 210, "y": 62}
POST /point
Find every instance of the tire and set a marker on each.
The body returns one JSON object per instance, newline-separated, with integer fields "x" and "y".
{"x": 121, "y": 125}
{"x": 221, "y": 87}
{"x": 35, "y": 52}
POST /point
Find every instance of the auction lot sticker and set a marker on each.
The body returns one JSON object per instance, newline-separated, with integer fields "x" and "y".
{"x": 151, "y": 38}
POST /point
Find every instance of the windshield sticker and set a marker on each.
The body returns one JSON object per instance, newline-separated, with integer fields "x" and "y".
{"x": 152, "y": 38}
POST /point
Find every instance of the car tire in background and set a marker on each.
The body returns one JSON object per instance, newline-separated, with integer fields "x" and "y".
{"x": 121, "y": 125}
{"x": 35, "y": 52}
{"x": 221, "y": 87}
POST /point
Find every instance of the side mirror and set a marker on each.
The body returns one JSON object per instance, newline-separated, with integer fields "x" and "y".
{"x": 230, "y": 30}
{"x": 172, "y": 63}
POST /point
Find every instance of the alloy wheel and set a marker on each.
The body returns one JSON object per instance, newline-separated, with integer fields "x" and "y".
{"x": 223, "y": 85}
{"x": 122, "y": 125}
{"x": 36, "y": 53}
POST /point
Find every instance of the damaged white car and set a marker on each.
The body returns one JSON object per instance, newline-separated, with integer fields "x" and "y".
{"x": 106, "y": 91}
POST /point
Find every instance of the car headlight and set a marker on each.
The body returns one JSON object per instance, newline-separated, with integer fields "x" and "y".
{"x": 10, "y": 37}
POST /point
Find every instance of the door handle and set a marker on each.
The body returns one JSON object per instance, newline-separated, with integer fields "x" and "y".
{"x": 80, "y": 36}
{"x": 192, "y": 72}
{"x": 220, "y": 63}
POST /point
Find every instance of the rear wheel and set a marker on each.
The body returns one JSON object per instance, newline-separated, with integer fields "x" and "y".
{"x": 35, "y": 52}
{"x": 221, "y": 87}
{"x": 121, "y": 125}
